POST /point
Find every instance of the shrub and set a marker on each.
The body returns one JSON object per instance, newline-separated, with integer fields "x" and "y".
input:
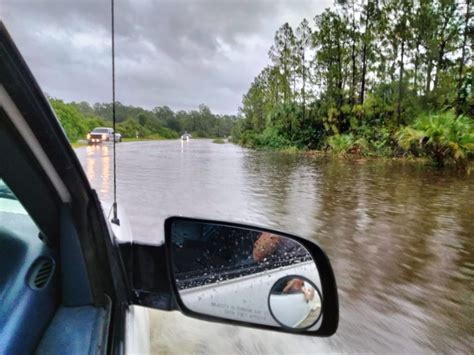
{"x": 71, "y": 120}
{"x": 218, "y": 141}
{"x": 271, "y": 138}
{"x": 443, "y": 137}
{"x": 130, "y": 128}
{"x": 248, "y": 138}
{"x": 375, "y": 140}
{"x": 168, "y": 133}
{"x": 341, "y": 144}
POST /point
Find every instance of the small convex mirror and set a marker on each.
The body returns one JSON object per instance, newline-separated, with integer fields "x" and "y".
{"x": 244, "y": 274}
{"x": 295, "y": 302}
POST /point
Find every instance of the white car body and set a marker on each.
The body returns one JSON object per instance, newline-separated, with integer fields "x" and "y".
{"x": 246, "y": 298}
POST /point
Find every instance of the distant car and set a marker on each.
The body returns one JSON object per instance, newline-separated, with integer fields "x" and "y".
{"x": 186, "y": 136}
{"x": 101, "y": 134}
{"x": 118, "y": 137}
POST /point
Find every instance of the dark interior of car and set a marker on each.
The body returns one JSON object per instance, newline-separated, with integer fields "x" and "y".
{"x": 48, "y": 271}
{"x": 46, "y": 300}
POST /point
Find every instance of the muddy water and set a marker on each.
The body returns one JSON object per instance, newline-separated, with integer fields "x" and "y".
{"x": 400, "y": 237}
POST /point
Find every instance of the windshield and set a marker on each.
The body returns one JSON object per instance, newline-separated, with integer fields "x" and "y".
{"x": 101, "y": 130}
{"x": 348, "y": 122}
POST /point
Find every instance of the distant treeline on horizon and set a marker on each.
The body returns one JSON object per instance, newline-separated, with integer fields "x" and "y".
{"x": 162, "y": 122}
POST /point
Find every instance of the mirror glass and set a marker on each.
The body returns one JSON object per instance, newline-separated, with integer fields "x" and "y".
{"x": 235, "y": 273}
{"x": 295, "y": 302}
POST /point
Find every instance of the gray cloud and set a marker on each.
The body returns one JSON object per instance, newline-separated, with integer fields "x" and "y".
{"x": 178, "y": 53}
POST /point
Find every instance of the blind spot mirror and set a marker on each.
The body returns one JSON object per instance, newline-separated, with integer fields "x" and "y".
{"x": 295, "y": 302}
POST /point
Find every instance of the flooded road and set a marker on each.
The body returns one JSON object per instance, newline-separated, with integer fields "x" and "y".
{"x": 400, "y": 237}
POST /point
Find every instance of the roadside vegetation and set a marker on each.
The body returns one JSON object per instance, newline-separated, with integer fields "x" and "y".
{"x": 371, "y": 78}
{"x": 364, "y": 78}
{"x": 135, "y": 123}
{"x": 442, "y": 137}
{"x": 218, "y": 141}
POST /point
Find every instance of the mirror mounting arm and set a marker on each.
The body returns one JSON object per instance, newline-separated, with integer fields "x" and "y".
{"x": 147, "y": 271}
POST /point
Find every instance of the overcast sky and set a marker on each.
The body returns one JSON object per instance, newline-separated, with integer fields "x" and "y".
{"x": 177, "y": 53}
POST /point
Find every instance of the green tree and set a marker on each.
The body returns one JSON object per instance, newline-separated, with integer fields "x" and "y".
{"x": 281, "y": 54}
{"x": 467, "y": 35}
{"x": 331, "y": 43}
{"x": 303, "y": 43}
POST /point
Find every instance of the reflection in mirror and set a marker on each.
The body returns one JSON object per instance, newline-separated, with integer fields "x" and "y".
{"x": 229, "y": 272}
{"x": 295, "y": 302}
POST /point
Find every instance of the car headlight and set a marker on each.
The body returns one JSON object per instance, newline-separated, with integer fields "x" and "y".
{"x": 104, "y": 136}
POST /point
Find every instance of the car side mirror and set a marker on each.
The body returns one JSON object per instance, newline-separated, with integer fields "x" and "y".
{"x": 251, "y": 276}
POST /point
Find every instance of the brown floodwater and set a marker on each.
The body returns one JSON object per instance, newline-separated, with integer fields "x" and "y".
{"x": 400, "y": 237}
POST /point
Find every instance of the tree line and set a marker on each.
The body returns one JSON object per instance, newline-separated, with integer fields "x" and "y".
{"x": 361, "y": 71}
{"x": 78, "y": 119}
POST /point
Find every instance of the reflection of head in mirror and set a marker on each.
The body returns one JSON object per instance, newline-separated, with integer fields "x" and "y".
{"x": 265, "y": 245}
{"x": 295, "y": 285}
{"x": 298, "y": 285}
{"x": 269, "y": 244}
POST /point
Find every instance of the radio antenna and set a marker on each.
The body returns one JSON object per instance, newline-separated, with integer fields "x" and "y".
{"x": 115, "y": 218}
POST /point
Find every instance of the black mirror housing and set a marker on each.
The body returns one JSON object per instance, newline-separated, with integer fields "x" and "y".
{"x": 250, "y": 276}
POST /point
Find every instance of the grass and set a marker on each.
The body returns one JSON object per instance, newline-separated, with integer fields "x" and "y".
{"x": 290, "y": 150}
{"x": 153, "y": 137}
{"x": 218, "y": 141}
{"x": 79, "y": 143}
